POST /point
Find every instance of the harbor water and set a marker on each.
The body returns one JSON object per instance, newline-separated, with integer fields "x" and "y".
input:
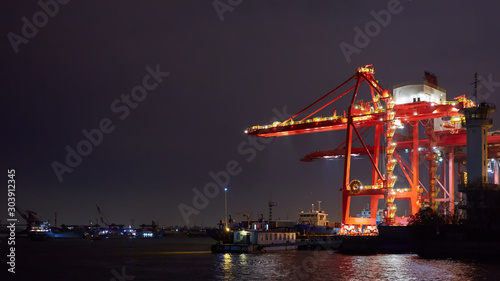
{"x": 183, "y": 258}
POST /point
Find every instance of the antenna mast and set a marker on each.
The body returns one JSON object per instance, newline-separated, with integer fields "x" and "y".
{"x": 475, "y": 87}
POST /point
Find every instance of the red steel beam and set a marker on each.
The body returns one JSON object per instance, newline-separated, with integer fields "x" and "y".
{"x": 404, "y": 112}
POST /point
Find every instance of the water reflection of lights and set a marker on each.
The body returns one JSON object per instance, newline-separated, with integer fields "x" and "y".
{"x": 396, "y": 266}
{"x": 405, "y": 267}
{"x": 228, "y": 262}
{"x": 227, "y": 267}
{"x": 387, "y": 267}
{"x": 243, "y": 259}
{"x": 253, "y": 266}
{"x": 323, "y": 265}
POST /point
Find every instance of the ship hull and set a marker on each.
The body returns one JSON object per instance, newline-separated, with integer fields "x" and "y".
{"x": 305, "y": 229}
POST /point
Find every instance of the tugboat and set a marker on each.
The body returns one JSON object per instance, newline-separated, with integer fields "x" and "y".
{"x": 257, "y": 238}
{"x": 224, "y": 233}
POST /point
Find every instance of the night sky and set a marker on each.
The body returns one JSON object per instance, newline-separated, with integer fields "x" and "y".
{"x": 217, "y": 70}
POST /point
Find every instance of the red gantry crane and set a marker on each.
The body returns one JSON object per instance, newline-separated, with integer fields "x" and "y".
{"x": 409, "y": 105}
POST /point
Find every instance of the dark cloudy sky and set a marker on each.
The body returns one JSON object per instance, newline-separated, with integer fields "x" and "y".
{"x": 225, "y": 75}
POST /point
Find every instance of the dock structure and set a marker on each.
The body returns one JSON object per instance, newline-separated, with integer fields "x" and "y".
{"x": 480, "y": 206}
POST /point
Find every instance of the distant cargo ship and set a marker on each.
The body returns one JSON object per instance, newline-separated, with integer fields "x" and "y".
{"x": 39, "y": 231}
{"x": 315, "y": 222}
